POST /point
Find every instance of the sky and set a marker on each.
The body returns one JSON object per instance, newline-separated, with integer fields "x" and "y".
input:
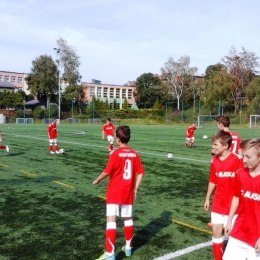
{"x": 119, "y": 40}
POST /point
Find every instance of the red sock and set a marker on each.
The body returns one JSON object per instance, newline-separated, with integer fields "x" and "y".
{"x": 129, "y": 232}
{"x": 50, "y": 148}
{"x": 2, "y": 146}
{"x": 110, "y": 240}
{"x": 218, "y": 250}
{"x": 110, "y": 147}
{"x": 56, "y": 147}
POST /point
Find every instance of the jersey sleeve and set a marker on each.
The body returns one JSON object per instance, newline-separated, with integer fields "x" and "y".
{"x": 212, "y": 172}
{"x": 237, "y": 184}
{"x": 139, "y": 168}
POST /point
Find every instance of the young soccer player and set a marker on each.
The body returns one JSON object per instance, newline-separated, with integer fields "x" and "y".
{"x": 223, "y": 123}
{"x": 3, "y": 146}
{"x": 222, "y": 172}
{"x": 190, "y": 139}
{"x": 52, "y": 133}
{"x": 108, "y": 130}
{"x": 244, "y": 240}
{"x": 125, "y": 172}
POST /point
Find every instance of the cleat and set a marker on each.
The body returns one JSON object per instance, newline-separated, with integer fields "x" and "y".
{"x": 57, "y": 152}
{"x": 7, "y": 149}
{"x": 105, "y": 256}
{"x": 51, "y": 152}
{"x": 128, "y": 252}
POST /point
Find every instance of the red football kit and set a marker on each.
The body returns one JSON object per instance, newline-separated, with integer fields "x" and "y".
{"x": 108, "y": 129}
{"x": 247, "y": 225}
{"x": 235, "y": 142}
{"x": 222, "y": 174}
{"x": 123, "y": 165}
{"x": 52, "y": 131}
{"x": 190, "y": 131}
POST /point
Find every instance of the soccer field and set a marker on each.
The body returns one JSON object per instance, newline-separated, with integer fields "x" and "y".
{"x": 50, "y": 210}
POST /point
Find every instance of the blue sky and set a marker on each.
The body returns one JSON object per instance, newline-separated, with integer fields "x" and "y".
{"x": 118, "y": 40}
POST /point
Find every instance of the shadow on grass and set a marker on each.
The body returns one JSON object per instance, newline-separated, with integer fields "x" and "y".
{"x": 148, "y": 232}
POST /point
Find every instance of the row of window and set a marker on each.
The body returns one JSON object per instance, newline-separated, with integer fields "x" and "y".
{"x": 13, "y": 79}
{"x": 111, "y": 92}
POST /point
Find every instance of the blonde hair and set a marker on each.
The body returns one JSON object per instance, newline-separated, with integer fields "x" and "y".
{"x": 251, "y": 143}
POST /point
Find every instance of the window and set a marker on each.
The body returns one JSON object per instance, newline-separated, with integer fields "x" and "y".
{"x": 99, "y": 92}
{"x": 105, "y": 92}
{"x": 130, "y": 93}
{"x": 111, "y": 93}
{"x": 92, "y": 91}
{"x": 1, "y": 78}
{"x": 13, "y": 79}
{"x": 6, "y": 78}
{"x": 123, "y": 93}
{"x": 20, "y": 80}
{"x": 118, "y": 105}
{"x": 117, "y": 93}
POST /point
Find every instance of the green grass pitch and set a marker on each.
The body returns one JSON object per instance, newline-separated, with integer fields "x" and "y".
{"x": 50, "y": 210}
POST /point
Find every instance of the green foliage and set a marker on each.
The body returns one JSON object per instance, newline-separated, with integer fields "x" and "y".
{"x": 39, "y": 113}
{"x": 10, "y": 99}
{"x": 253, "y": 96}
{"x": 125, "y": 104}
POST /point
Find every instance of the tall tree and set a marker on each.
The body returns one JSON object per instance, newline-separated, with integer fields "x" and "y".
{"x": 148, "y": 89}
{"x": 43, "y": 78}
{"x": 253, "y": 96}
{"x": 69, "y": 61}
{"x": 242, "y": 67}
{"x": 179, "y": 74}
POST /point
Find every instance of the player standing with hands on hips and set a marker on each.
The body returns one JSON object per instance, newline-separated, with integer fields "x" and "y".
{"x": 244, "y": 241}
{"x": 125, "y": 172}
{"x": 52, "y": 133}
{"x": 108, "y": 130}
{"x": 223, "y": 168}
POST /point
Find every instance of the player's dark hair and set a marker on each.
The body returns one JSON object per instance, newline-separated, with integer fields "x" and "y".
{"x": 247, "y": 144}
{"x": 123, "y": 133}
{"x": 223, "y": 137}
{"x": 109, "y": 119}
{"x": 224, "y": 120}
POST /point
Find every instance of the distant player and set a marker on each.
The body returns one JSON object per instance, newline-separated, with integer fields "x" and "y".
{"x": 223, "y": 123}
{"x": 244, "y": 240}
{"x": 190, "y": 139}
{"x": 108, "y": 130}
{"x": 222, "y": 172}
{"x": 5, "y": 147}
{"x": 125, "y": 172}
{"x": 52, "y": 133}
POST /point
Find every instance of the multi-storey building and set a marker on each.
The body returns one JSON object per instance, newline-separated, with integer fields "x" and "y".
{"x": 16, "y": 79}
{"x": 110, "y": 93}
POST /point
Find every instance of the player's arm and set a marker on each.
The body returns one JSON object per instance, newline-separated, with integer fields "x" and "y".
{"x": 232, "y": 211}
{"x": 138, "y": 181}
{"x": 102, "y": 176}
{"x": 103, "y": 134}
{"x": 211, "y": 187}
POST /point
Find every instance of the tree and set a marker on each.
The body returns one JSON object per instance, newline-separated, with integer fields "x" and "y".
{"x": 125, "y": 104}
{"x": 178, "y": 74}
{"x": 242, "y": 67}
{"x": 148, "y": 89}
{"x": 43, "y": 78}
{"x": 253, "y": 96}
{"x": 10, "y": 99}
{"x": 70, "y": 62}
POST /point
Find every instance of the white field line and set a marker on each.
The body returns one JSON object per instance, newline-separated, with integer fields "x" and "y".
{"x": 99, "y": 146}
{"x": 184, "y": 251}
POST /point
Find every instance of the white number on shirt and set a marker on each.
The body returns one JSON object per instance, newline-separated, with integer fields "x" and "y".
{"x": 234, "y": 146}
{"x": 127, "y": 170}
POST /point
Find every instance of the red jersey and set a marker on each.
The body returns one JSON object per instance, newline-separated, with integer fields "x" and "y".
{"x": 247, "y": 225}
{"x": 52, "y": 131}
{"x": 190, "y": 131}
{"x": 235, "y": 142}
{"x": 222, "y": 174}
{"x": 123, "y": 165}
{"x": 108, "y": 129}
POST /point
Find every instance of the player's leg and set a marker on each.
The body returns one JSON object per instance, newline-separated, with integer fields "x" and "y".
{"x": 56, "y": 148}
{"x": 192, "y": 140}
{"x": 110, "y": 139}
{"x": 187, "y": 142}
{"x": 126, "y": 213}
{"x": 217, "y": 221}
{"x": 50, "y": 146}
{"x": 5, "y": 147}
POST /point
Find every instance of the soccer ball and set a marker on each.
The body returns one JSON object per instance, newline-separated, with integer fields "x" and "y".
{"x": 170, "y": 156}
{"x": 205, "y": 137}
{"x": 62, "y": 150}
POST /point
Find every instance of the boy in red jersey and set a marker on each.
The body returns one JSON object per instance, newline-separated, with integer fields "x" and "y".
{"x": 190, "y": 139}
{"x": 223, "y": 123}
{"x": 52, "y": 133}
{"x": 222, "y": 172}
{"x": 108, "y": 130}
{"x": 244, "y": 240}
{"x": 3, "y": 146}
{"x": 125, "y": 170}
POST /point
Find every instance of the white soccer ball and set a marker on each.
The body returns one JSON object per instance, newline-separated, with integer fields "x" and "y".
{"x": 205, "y": 137}
{"x": 62, "y": 150}
{"x": 170, "y": 156}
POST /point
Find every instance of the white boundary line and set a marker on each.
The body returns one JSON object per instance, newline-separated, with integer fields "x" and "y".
{"x": 184, "y": 251}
